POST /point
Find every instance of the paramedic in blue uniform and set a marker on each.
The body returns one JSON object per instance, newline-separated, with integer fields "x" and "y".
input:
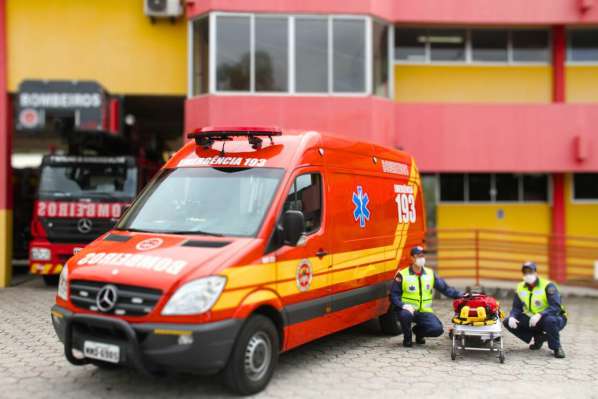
{"x": 537, "y": 312}
{"x": 411, "y": 294}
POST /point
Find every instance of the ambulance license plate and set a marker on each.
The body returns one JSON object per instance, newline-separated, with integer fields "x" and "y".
{"x": 100, "y": 351}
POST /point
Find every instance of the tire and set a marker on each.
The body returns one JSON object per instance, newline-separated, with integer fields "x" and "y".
{"x": 389, "y": 323}
{"x": 51, "y": 280}
{"x": 254, "y": 357}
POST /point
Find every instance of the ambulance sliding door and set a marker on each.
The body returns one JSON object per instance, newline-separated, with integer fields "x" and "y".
{"x": 361, "y": 236}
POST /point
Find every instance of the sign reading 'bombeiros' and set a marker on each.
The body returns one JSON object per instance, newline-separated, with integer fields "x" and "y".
{"x": 63, "y": 209}
{"x": 138, "y": 261}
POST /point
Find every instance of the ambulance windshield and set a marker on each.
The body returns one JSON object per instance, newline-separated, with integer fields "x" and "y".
{"x": 210, "y": 201}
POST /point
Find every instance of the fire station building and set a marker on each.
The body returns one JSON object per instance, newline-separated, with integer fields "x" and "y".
{"x": 497, "y": 100}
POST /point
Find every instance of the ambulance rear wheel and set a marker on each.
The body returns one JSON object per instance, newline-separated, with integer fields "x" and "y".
{"x": 389, "y": 323}
{"x": 254, "y": 357}
{"x": 51, "y": 280}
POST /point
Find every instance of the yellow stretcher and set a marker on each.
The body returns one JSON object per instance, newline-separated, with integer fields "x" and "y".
{"x": 473, "y": 324}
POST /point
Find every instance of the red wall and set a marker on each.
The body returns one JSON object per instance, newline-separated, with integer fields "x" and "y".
{"x": 544, "y": 12}
{"x": 476, "y": 137}
{"x": 366, "y": 117}
{"x": 442, "y": 137}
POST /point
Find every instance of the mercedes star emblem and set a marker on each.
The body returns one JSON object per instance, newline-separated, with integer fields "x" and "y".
{"x": 84, "y": 225}
{"x": 107, "y": 298}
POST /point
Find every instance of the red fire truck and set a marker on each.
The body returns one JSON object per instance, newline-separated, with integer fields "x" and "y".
{"x": 79, "y": 198}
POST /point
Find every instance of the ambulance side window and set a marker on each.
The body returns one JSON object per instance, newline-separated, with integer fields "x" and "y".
{"x": 305, "y": 195}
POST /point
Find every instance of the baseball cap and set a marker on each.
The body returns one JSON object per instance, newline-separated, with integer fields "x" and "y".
{"x": 417, "y": 250}
{"x": 529, "y": 265}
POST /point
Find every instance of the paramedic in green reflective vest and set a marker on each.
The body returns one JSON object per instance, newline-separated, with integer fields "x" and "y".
{"x": 537, "y": 312}
{"x": 411, "y": 294}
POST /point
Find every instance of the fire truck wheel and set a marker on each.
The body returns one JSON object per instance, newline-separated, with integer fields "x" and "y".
{"x": 51, "y": 280}
{"x": 254, "y": 357}
{"x": 389, "y": 323}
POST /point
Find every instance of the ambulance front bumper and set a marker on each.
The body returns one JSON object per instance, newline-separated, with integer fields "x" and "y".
{"x": 149, "y": 347}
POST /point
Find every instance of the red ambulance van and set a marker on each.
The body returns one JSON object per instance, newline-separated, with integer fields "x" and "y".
{"x": 247, "y": 243}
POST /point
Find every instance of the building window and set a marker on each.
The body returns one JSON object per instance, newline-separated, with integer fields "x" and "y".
{"x": 583, "y": 45}
{"x": 535, "y": 187}
{"x": 452, "y": 187}
{"x": 410, "y": 44}
{"x": 271, "y": 54}
{"x": 447, "y": 44}
{"x": 233, "y": 62}
{"x": 348, "y": 55}
{"x": 380, "y": 62}
{"x": 585, "y": 186}
{"x": 500, "y": 187}
{"x": 311, "y": 55}
{"x": 506, "y": 187}
{"x": 530, "y": 45}
{"x": 433, "y": 45}
{"x": 489, "y": 45}
{"x": 261, "y": 53}
{"x": 479, "y": 187}
{"x": 201, "y": 51}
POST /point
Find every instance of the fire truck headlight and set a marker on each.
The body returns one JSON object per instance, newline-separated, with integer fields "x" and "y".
{"x": 195, "y": 297}
{"x": 41, "y": 253}
{"x": 63, "y": 283}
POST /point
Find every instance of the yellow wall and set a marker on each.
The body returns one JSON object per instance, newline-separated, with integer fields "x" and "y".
{"x": 581, "y": 83}
{"x": 473, "y": 83}
{"x": 5, "y": 247}
{"x": 582, "y": 218}
{"x": 532, "y": 218}
{"x": 581, "y": 221}
{"x": 110, "y": 41}
{"x": 500, "y": 254}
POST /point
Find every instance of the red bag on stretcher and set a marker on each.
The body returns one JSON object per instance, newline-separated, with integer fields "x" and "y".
{"x": 477, "y": 309}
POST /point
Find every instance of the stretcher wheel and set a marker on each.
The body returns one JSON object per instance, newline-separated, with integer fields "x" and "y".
{"x": 453, "y": 349}
{"x": 501, "y": 357}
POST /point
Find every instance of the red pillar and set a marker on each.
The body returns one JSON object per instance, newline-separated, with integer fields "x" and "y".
{"x": 559, "y": 54}
{"x": 5, "y": 166}
{"x": 558, "y": 255}
{"x": 558, "y": 248}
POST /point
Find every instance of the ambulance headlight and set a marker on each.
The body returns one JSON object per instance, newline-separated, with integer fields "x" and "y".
{"x": 41, "y": 253}
{"x": 63, "y": 283}
{"x": 195, "y": 297}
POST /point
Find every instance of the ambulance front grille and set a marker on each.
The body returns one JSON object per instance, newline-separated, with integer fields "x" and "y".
{"x": 130, "y": 300}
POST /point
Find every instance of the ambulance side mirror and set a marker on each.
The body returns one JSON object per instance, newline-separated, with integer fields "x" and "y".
{"x": 293, "y": 227}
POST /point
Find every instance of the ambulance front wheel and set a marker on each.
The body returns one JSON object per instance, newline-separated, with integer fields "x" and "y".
{"x": 254, "y": 357}
{"x": 389, "y": 323}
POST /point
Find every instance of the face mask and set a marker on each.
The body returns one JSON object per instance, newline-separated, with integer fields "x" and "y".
{"x": 421, "y": 262}
{"x": 530, "y": 278}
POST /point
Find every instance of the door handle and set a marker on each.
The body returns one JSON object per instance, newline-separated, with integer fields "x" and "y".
{"x": 321, "y": 253}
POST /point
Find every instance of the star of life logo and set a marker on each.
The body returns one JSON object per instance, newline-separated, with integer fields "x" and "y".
{"x": 361, "y": 212}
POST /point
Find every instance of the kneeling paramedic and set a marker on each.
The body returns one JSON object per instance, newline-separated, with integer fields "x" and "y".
{"x": 411, "y": 294}
{"x": 537, "y": 312}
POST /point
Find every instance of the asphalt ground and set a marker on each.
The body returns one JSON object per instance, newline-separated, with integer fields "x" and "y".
{"x": 358, "y": 362}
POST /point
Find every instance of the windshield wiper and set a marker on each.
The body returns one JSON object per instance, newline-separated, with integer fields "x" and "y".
{"x": 137, "y": 230}
{"x": 192, "y": 232}
{"x": 56, "y": 192}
